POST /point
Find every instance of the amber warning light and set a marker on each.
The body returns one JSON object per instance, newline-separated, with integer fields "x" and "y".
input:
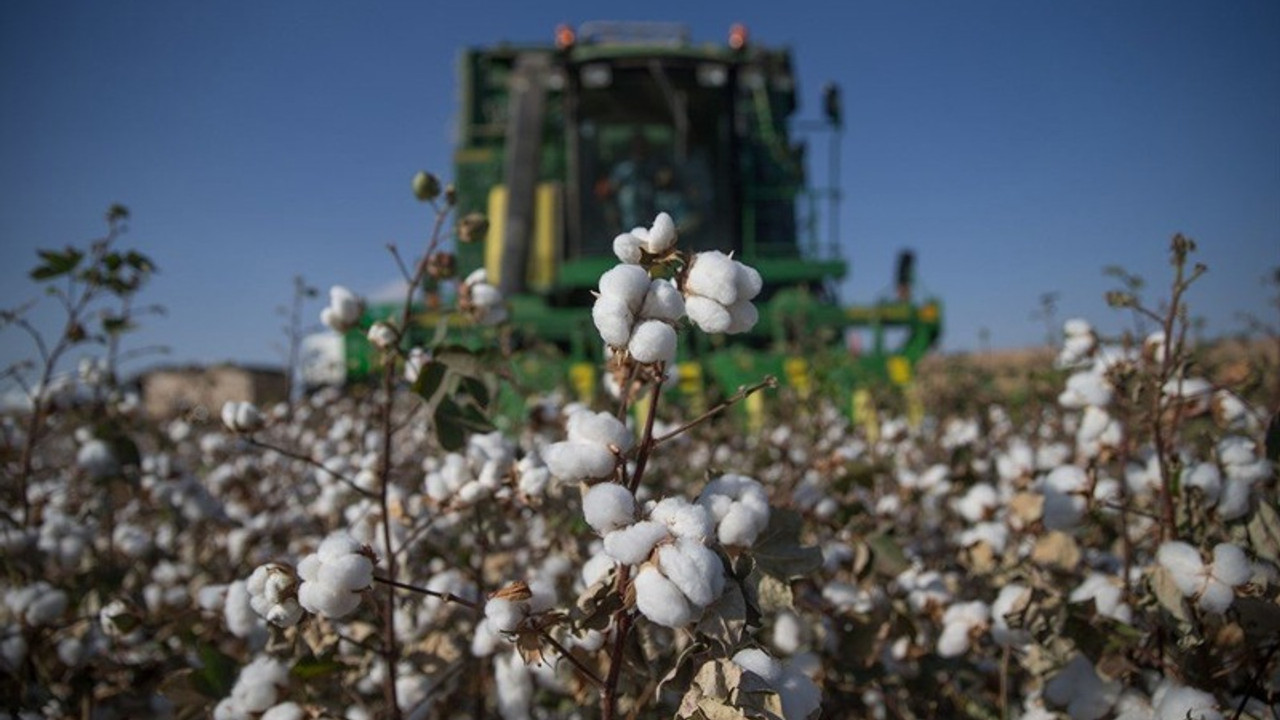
{"x": 564, "y": 37}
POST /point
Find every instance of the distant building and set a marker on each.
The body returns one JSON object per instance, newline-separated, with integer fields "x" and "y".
{"x": 167, "y": 392}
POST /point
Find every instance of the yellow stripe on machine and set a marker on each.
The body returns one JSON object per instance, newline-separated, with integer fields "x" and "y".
{"x": 689, "y": 376}
{"x": 547, "y": 231}
{"x": 899, "y": 370}
{"x": 797, "y": 371}
{"x": 497, "y": 230}
{"x": 582, "y": 375}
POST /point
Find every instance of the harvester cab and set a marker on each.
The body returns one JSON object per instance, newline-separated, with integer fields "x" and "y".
{"x": 565, "y": 145}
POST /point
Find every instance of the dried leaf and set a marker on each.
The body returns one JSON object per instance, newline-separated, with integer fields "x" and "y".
{"x": 1057, "y": 549}
{"x": 1264, "y": 533}
{"x": 1168, "y": 594}
{"x": 725, "y": 620}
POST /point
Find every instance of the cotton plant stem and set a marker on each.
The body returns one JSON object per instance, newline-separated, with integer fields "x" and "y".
{"x": 391, "y": 652}
{"x": 293, "y": 455}
{"x": 445, "y": 596}
{"x": 742, "y": 394}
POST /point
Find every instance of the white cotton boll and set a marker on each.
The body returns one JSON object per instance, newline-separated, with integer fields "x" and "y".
{"x": 663, "y": 302}
{"x": 632, "y": 545}
{"x": 1177, "y": 702}
{"x": 48, "y": 606}
{"x": 477, "y": 276}
{"x": 653, "y": 341}
{"x": 629, "y": 283}
{"x": 1085, "y": 388}
{"x": 504, "y": 615}
{"x": 1184, "y": 565}
{"x": 627, "y": 248}
{"x": 601, "y": 428}
{"x": 1215, "y": 597}
{"x": 995, "y": 534}
{"x": 713, "y": 275}
{"x": 1077, "y": 326}
{"x": 661, "y": 600}
{"x": 596, "y": 568}
{"x": 683, "y": 519}
{"x": 575, "y": 460}
{"x": 348, "y": 572}
{"x": 788, "y": 633}
{"x": 1207, "y": 478}
{"x": 483, "y": 295}
{"x": 1230, "y": 565}
{"x": 515, "y": 686}
{"x": 344, "y": 309}
{"x": 327, "y": 600}
{"x": 1012, "y": 599}
{"x": 978, "y": 503}
{"x": 1236, "y": 450}
{"x": 95, "y": 457}
{"x": 284, "y": 711}
{"x": 741, "y": 525}
{"x": 337, "y": 545}
{"x": 954, "y": 640}
{"x": 613, "y": 319}
{"x": 709, "y": 315}
{"x": 743, "y": 316}
{"x": 1106, "y": 595}
{"x": 609, "y": 506}
{"x": 662, "y": 234}
{"x": 746, "y": 281}
{"x": 695, "y": 569}
{"x": 1233, "y": 503}
{"x": 1078, "y": 687}
{"x": 759, "y": 662}
{"x": 382, "y": 336}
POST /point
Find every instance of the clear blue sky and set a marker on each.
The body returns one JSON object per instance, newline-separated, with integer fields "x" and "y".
{"x": 1017, "y": 146}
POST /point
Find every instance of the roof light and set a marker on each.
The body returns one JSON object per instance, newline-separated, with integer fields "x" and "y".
{"x": 738, "y": 36}
{"x": 564, "y": 37}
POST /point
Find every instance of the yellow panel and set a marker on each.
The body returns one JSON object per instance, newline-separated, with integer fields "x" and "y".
{"x": 755, "y": 411}
{"x": 864, "y": 414}
{"x": 546, "y": 236}
{"x": 690, "y": 379}
{"x": 497, "y": 227}
{"x": 899, "y": 370}
{"x": 797, "y": 371}
{"x": 582, "y": 376}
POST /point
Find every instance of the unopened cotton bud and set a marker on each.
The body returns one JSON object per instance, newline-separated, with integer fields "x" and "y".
{"x": 653, "y": 341}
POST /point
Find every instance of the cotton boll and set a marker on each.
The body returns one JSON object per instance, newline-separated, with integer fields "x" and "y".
{"x": 1230, "y": 565}
{"x": 746, "y": 281}
{"x": 613, "y": 319}
{"x": 575, "y": 460}
{"x": 713, "y": 275}
{"x": 632, "y": 545}
{"x": 661, "y": 600}
{"x": 759, "y": 662}
{"x": 695, "y": 569}
{"x": 1085, "y": 388}
{"x": 609, "y": 506}
{"x": 1178, "y": 702}
{"x": 326, "y": 600}
{"x": 662, "y": 234}
{"x": 284, "y": 711}
{"x": 95, "y": 457}
{"x": 348, "y": 572}
{"x": 709, "y": 315}
{"x": 1078, "y": 687}
{"x": 959, "y": 621}
{"x": 743, "y": 316}
{"x": 683, "y": 519}
{"x": 515, "y": 686}
{"x": 504, "y": 615}
{"x": 627, "y": 248}
{"x": 1207, "y": 478}
{"x": 1106, "y": 596}
{"x": 629, "y": 283}
{"x": 663, "y": 302}
{"x": 788, "y": 633}
{"x": 653, "y": 341}
{"x": 1184, "y": 565}
{"x": 1012, "y": 599}
{"x": 977, "y": 504}
{"x": 601, "y": 428}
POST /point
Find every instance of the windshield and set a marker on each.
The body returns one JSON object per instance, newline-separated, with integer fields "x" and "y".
{"x": 654, "y": 136}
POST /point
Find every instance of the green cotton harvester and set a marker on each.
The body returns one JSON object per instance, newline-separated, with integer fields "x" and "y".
{"x": 563, "y": 146}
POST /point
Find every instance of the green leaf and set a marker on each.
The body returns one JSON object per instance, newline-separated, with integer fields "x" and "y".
{"x": 312, "y": 668}
{"x": 778, "y": 551}
{"x": 429, "y": 379}
{"x": 476, "y": 389}
{"x": 216, "y": 675}
{"x": 56, "y": 263}
{"x": 888, "y": 558}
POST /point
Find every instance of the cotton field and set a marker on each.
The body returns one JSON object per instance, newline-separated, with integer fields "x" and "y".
{"x": 1104, "y": 546}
